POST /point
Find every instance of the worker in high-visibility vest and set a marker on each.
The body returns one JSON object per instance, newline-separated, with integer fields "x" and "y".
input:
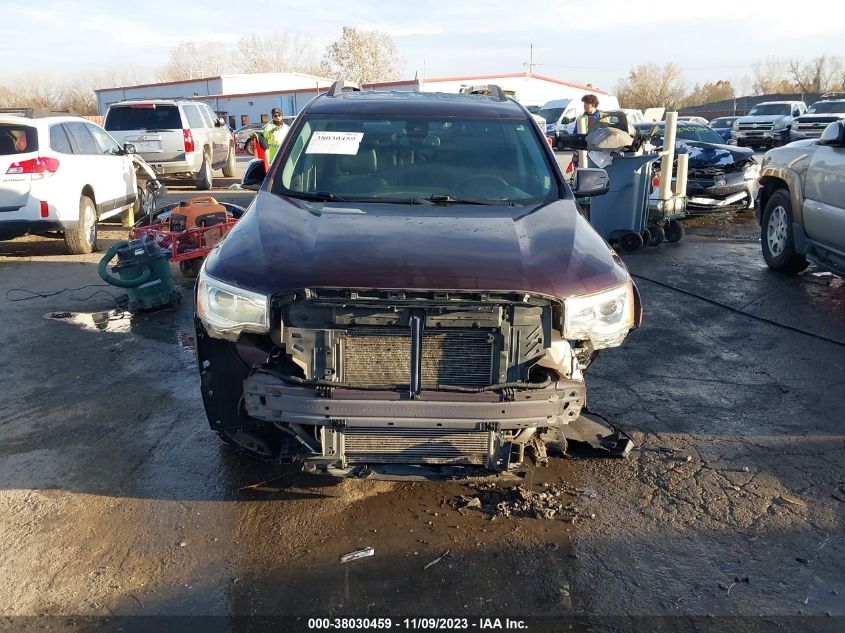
{"x": 591, "y": 114}
{"x": 274, "y": 133}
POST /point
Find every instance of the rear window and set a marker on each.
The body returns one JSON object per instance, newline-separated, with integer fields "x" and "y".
{"x": 17, "y": 139}
{"x": 147, "y": 118}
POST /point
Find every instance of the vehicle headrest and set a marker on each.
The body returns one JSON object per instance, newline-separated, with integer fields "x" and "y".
{"x": 7, "y": 144}
{"x": 364, "y": 162}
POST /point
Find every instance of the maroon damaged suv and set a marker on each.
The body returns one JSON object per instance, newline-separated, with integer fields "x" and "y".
{"x": 412, "y": 289}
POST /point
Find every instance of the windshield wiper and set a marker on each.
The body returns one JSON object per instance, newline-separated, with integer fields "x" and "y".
{"x": 442, "y": 198}
{"x": 315, "y": 195}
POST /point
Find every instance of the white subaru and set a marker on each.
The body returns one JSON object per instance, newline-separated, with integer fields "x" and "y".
{"x": 61, "y": 173}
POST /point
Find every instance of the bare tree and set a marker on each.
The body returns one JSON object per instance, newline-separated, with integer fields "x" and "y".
{"x": 771, "y": 75}
{"x": 710, "y": 92}
{"x": 818, "y": 75}
{"x": 276, "y": 53}
{"x": 363, "y": 56}
{"x": 194, "y": 60}
{"x": 650, "y": 85}
{"x": 78, "y": 95}
{"x": 35, "y": 91}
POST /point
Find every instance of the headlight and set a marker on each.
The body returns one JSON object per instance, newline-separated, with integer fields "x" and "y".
{"x": 795, "y": 124}
{"x": 735, "y": 125}
{"x": 780, "y": 125}
{"x": 227, "y": 310}
{"x": 752, "y": 173}
{"x": 603, "y": 318}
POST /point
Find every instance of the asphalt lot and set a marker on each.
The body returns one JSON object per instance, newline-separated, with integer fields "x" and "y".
{"x": 116, "y": 499}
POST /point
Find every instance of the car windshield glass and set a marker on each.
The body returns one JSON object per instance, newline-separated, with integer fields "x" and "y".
{"x": 551, "y": 114}
{"x": 401, "y": 159}
{"x": 146, "y": 117}
{"x": 770, "y": 108}
{"x": 827, "y": 106}
{"x": 689, "y": 132}
{"x": 17, "y": 139}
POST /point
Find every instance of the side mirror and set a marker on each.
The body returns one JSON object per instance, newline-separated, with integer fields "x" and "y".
{"x": 219, "y": 123}
{"x": 567, "y": 120}
{"x": 129, "y": 148}
{"x": 834, "y": 134}
{"x": 254, "y": 175}
{"x": 589, "y": 182}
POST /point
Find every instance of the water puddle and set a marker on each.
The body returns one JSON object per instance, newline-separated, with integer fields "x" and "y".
{"x": 155, "y": 326}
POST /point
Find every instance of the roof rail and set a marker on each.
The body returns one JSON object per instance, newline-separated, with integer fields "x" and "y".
{"x": 492, "y": 90}
{"x": 36, "y": 113}
{"x": 341, "y": 86}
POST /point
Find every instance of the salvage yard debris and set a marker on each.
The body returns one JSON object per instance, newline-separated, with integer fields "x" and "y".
{"x": 358, "y": 553}
{"x": 555, "y": 501}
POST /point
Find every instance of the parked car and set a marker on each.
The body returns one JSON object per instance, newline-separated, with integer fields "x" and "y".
{"x": 693, "y": 119}
{"x": 801, "y": 203}
{"x": 721, "y": 176}
{"x": 818, "y": 117}
{"x": 767, "y": 124}
{"x": 179, "y": 138}
{"x": 61, "y": 173}
{"x": 723, "y": 126}
{"x": 413, "y": 285}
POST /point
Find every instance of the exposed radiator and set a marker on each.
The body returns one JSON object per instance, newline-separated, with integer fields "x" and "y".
{"x": 382, "y": 356}
{"x": 416, "y": 446}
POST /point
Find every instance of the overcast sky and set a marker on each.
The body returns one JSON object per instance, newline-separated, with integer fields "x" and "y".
{"x": 588, "y": 41}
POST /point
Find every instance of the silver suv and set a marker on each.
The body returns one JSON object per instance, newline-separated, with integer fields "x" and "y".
{"x": 181, "y": 139}
{"x": 818, "y": 117}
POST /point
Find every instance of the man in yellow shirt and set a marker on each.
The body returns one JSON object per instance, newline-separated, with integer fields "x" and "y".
{"x": 274, "y": 133}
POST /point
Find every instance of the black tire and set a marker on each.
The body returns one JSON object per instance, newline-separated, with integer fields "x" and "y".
{"x": 646, "y": 234}
{"x": 82, "y": 239}
{"x": 205, "y": 179}
{"x": 674, "y": 231}
{"x": 777, "y": 237}
{"x": 657, "y": 234}
{"x": 190, "y": 268}
{"x": 249, "y": 146}
{"x": 229, "y": 167}
{"x": 630, "y": 242}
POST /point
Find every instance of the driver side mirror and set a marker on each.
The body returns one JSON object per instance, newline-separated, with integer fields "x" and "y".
{"x": 254, "y": 175}
{"x": 129, "y": 148}
{"x": 589, "y": 182}
{"x": 567, "y": 120}
{"x": 833, "y": 135}
{"x": 219, "y": 123}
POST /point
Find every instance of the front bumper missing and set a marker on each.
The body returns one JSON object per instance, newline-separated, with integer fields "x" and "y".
{"x": 387, "y": 427}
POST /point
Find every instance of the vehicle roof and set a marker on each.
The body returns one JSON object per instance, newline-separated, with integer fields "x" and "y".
{"x": 418, "y": 104}
{"x": 827, "y": 101}
{"x": 13, "y": 118}
{"x": 173, "y": 100}
{"x": 775, "y": 102}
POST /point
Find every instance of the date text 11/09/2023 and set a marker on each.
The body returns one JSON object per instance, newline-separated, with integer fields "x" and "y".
{"x": 416, "y": 624}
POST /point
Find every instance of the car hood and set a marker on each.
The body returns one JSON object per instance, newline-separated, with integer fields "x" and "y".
{"x": 705, "y": 155}
{"x": 763, "y": 118}
{"x": 283, "y": 244}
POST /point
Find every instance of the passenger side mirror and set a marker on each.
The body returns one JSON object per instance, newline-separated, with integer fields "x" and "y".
{"x": 589, "y": 182}
{"x": 129, "y": 148}
{"x": 834, "y": 134}
{"x": 254, "y": 175}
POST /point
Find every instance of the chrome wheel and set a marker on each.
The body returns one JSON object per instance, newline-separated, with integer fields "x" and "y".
{"x": 776, "y": 230}
{"x": 89, "y": 222}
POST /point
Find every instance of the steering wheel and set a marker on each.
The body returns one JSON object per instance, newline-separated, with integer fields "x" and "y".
{"x": 497, "y": 181}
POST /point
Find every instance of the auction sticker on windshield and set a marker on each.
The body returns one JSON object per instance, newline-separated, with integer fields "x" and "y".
{"x": 334, "y": 143}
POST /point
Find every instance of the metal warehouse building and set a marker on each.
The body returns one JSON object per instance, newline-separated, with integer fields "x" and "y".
{"x": 248, "y": 98}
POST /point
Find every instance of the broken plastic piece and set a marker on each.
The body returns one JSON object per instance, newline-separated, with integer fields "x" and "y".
{"x": 358, "y": 553}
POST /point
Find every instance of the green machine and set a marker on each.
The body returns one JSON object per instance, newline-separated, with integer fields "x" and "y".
{"x": 143, "y": 269}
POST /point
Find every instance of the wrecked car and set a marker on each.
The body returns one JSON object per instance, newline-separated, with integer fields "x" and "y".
{"x": 720, "y": 177}
{"x": 412, "y": 287}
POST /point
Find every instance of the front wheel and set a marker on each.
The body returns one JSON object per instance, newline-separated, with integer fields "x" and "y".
{"x": 777, "y": 237}
{"x": 674, "y": 231}
{"x": 82, "y": 239}
{"x": 249, "y": 147}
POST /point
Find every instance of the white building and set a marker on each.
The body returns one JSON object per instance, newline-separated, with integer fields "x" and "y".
{"x": 242, "y": 99}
